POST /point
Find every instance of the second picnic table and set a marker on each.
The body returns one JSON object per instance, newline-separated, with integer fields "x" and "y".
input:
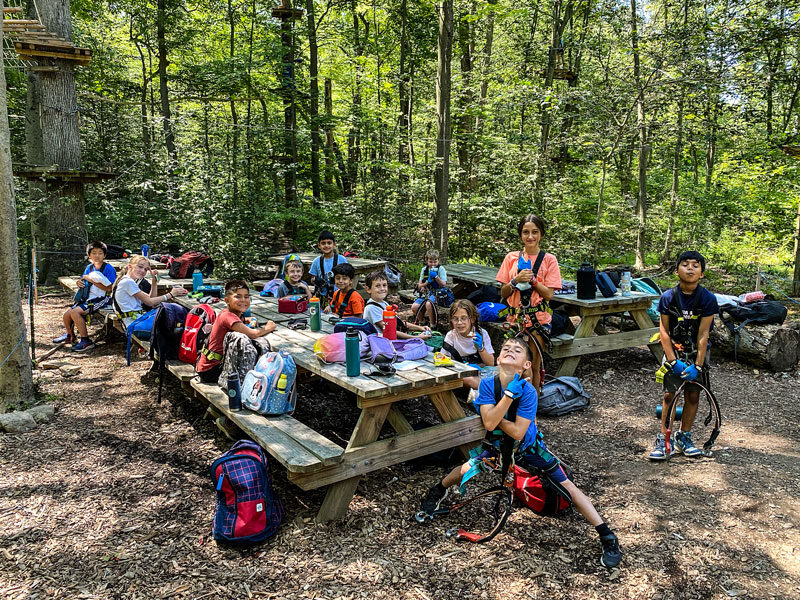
{"x": 572, "y": 347}
{"x": 362, "y": 266}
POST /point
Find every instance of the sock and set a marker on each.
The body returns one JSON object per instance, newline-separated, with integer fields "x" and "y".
{"x": 85, "y": 339}
{"x": 603, "y": 530}
{"x": 440, "y": 488}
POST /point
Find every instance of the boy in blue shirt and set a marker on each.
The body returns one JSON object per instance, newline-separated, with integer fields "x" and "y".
{"x": 432, "y": 277}
{"x": 96, "y": 283}
{"x": 322, "y": 268}
{"x": 687, "y": 317}
{"x": 530, "y": 450}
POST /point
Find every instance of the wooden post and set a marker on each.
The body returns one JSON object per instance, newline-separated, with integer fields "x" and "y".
{"x": 758, "y": 278}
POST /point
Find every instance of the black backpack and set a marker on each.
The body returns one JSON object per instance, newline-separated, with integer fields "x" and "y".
{"x": 764, "y": 312}
{"x": 165, "y": 338}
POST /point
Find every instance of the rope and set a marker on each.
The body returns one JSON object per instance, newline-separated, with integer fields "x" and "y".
{"x": 777, "y": 289}
{"x": 22, "y": 339}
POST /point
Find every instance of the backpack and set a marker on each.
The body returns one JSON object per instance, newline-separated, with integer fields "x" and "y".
{"x": 166, "y": 337}
{"x": 115, "y": 252}
{"x": 195, "y": 333}
{"x": 247, "y": 510}
{"x": 356, "y": 323}
{"x": 382, "y": 349}
{"x": 271, "y": 288}
{"x": 647, "y": 285}
{"x": 492, "y": 312}
{"x": 260, "y": 387}
{"x": 538, "y": 493}
{"x": 141, "y": 327}
{"x": 182, "y": 267}
{"x": 562, "y": 396}
{"x": 445, "y": 297}
{"x": 485, "y": 293}
{"x": 764, "y": 312}
{"x": 393, "y": 274}
{"x": 605, "y": 285}
{"x": 286, "y": 260}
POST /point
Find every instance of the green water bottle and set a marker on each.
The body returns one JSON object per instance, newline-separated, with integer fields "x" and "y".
{"x": 352, "y": 355}
{"x": 313, "y": 308}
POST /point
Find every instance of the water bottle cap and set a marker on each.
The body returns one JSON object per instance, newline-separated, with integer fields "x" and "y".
{"x": 351, "y": 332}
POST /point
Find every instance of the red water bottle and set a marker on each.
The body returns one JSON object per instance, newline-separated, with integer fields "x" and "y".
{"x": 390, "y": 324}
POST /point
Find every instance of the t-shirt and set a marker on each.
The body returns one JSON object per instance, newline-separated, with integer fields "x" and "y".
{"x": 442, "y": 274}
{"x": 464, "y": 345}
{"x": 355, "y": 306}
{"x": 549, "y": 274}
{"x": 287, "y": 289}
{"x": 528, "y": 404}
{"x": 708, "y": 306}
{"x": 108, "y": 272}
{"x": 318, "y": 270}
{"x": 221, "y": 328}
{"x": 124, "y": 295}
{"x": 374, "y": 314}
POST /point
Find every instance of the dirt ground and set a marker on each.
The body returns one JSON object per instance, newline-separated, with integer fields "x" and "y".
{"x": 113, "y": 499}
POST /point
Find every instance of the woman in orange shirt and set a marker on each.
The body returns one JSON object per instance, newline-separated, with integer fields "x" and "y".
{"x": 530, "y": 278}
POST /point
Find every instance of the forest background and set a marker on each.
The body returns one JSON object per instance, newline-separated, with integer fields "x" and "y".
{"x": 634, "y": 128}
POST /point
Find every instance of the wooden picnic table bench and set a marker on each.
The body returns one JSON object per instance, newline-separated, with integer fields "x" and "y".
{"x": 362, "y": 266}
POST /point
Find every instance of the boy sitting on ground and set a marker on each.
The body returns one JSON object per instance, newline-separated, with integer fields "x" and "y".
{"x": 293, "y": 284}
{"x": 530, "y": 451}
{"x": 99, "y": 276}
{"x": 345, "y": 302}
{"x": 232, "y": 346}
{"x": 431, "y": 278}
{"x": 687, "y": 317}
{"x": 377, "y": 285}
{"x": 322, "y": 268}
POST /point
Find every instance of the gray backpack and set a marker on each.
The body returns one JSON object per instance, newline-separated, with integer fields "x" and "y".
{"x": 562, "y": 396}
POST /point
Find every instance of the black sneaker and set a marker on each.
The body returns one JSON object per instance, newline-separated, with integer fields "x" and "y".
{"x": 433, "y": 499}
{"x": 612, "y": 555}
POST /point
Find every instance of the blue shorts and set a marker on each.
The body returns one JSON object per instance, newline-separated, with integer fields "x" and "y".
{"x": 92, "y": 306}
{"x": 539, "y": 457}
{"x": 432, "y": 298}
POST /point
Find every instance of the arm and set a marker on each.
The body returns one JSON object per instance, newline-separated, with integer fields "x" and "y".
{"x": 152, "y": 300}
{"x": 666, "y": 341}
{"x": 307, "y": 289}
{"x": 516, "y": 429}
{"x": 492, "y": 414}
{"x": 253, "y": 333}
{"x": 702, "y": 340}
{"x": 486, "y": 356}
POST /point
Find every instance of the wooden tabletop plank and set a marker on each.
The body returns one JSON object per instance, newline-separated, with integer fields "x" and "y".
{"x": 361, "y": 265}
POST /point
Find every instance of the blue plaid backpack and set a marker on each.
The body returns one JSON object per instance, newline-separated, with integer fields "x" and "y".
{"x": 247, "y": 509}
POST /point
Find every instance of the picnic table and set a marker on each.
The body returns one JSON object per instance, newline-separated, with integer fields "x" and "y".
{"x": 362, "y": 266}
{"x": 121, "y": 263}
{"x": 165, "y": 282}
{"x": 584, "y": 341}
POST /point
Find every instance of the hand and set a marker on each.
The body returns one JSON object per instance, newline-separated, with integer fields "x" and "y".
{"x": 477, "y": 339}
{"x": 81, "y": 282}
{"x": 690, "y": 373}
{"x": 326, "y": 310}
{"x": 269, "y": 327}
{"x": 677, "y": 366}
{"x": 425, "y": 335}
{"x": 514, "y": 388}
{"x": 178, "y": 291}
{"x": 523, "y": 276}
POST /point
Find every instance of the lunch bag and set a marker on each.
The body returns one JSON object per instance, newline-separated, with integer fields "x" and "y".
{"x": 292, "y": 305}
{"x": 356, "y": 323}
{"x": 247, "y": 509}
{"x": 604, "y": 284}
{"x": 561, "y": 396}
{"x": 260, "y": 390}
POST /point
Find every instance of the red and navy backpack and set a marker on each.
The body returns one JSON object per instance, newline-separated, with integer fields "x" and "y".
{"x": 247, "y": 509}
{"x": 198, "y": 326}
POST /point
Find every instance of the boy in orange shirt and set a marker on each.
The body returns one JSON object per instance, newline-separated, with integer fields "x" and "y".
{"x": 345, "y": 302}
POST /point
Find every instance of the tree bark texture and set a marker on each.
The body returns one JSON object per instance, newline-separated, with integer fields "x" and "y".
{"x": 16, "y": 383}
{"x": 313, "y": 73}
{"x": 404, "y": 100}
{"x": 289, "y": 119}
{"x": 776, "y": 347}
{"x": 163, "y": 61}
{"x": 442, "y": 168}
{"x": 644, "y": 149}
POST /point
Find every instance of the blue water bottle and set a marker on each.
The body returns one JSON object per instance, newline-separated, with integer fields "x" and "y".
{"x": 352, "y": 355}
{"x": 234, "y": 392}
{"x": 145, "y": 250}
{"x": 197, "y": 280}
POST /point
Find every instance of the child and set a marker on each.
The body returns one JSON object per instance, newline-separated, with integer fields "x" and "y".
{"x": 99, "y": 276}
{"x": 322, "y": 268}
{"x": 687, "y": 316}
{"x": 377, "y": 285}
{"x": 531, "y": 452}
{"x": 467, "y": 342}
{"x": 293, "y": 284}
{"x": 231, "y": 341}
{"x": 345, "y": 302}
{"x": 431, "y": 278}
{"x": 530, "y": 278}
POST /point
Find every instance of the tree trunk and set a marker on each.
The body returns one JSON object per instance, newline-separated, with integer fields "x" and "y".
{"x": 166, "y": 111}
{"x": 345, "y": 185}
{"x": 465, "y": 119}
{"x": 233, "y": 176}
{"x": 16, "y": 384}
{"x": 404, "y": 118}
{"x": 644, "y": 149}
{"x": 796, "y": 282}
{"x": 313, "y": 70}
{"x": 442, "y": 169}
{"x": 354, "y": 136}
{"x": 289, "y": 119}
{"x": 776, "y": 347}
{"x": 62, "y": 225}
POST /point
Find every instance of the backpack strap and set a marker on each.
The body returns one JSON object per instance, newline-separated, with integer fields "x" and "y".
{"x": 372, "y": 302}
{"x": 469, "y": 358}
{"x": 538, "y": 263}
{"x": 455, "y": 354}
{"x": 343, "y": 305}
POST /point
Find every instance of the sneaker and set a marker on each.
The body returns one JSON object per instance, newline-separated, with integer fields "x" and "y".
{"x": 433, "y": 499}
{"x": 84, "y": 345}
{"x": 612, "y": 555}
{"x": 659, "y": 451}
{"x": 683, "y": 443}
{"x": 64, "y": 337}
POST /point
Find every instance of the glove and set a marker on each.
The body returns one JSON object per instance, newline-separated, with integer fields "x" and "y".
{"x": 477, "y": 339}
{"x": 677, "y": 366}
{"x": 432, "y": 274}
{"x": 690, "y": 373}
{"x": 514, "y": 388}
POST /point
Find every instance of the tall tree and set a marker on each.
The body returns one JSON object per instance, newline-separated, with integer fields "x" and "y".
{"x": 313, "y": 105}
{"x": 163, "y": 87}
{"x": 442, "y": 169}
{"x": 404, "y": 100}
{"x": 644, "y": 148}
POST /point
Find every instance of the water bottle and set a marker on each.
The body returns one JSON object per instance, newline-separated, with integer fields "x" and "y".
{"x": 145, "y": 250}
{"x": 197, "y": 280}
{"x": 351, "y": 353}
{"x": 389, "y": 324}
{"x": 678, "y": 412}
{"x": 586, "y": 286}
{"x": 234, "y": 392}
{"x": 625, "y": 283}
{"x": 313, "y": 308}
{"x": 281, "y": 404}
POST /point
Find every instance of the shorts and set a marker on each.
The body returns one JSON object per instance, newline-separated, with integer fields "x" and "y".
{"x": 431, "y": 297}
{"x": 92, "y": 306}
{"x": 539, "y": 457}
{"x": 672, "y": 382}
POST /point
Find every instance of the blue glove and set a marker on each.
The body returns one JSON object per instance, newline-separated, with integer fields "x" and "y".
{"x": 477, "y": 339}
{"x": 690, "y": 373}
{"x": 432, "y": 274}
{"x": 514, "y": 388}
{"x": 678, "y": 367}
